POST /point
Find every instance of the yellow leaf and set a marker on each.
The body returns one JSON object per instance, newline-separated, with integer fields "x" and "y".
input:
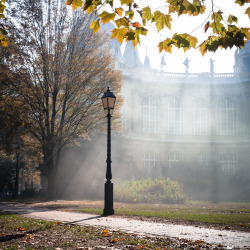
{"x": 119, "y": 34}
{"x": 95, "y": 26}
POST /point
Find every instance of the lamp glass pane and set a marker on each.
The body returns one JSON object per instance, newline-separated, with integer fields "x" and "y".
{"x": 105, "y": 102}
{"x": 111, "y": 102}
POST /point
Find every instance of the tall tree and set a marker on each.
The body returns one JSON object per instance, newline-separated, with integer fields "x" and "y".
{"x": 65, "y": 68}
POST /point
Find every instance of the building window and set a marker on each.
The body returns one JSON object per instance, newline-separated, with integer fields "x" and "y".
{"x": 175, "y": 116}
{"x": 173, "y": 160}
{"x": 227, "y": 117}
{"x": 228, "y": 164}
{"x": 200, "y": 117}
{"x": 149, "y": 162}
{"x": 201, "y": 160}
{"x": 150, "y": 119}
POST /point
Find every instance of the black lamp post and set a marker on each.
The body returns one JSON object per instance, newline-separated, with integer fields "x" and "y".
{"x": 108, "y": 101}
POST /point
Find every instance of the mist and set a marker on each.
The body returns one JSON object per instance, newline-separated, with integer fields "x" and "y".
{"x": 190, "y": 127}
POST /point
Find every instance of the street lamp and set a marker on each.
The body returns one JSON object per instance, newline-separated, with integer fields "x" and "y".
{"x": 108, "y": 101}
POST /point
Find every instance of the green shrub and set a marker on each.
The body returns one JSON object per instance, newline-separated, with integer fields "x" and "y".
{"x": 159, "y": 190}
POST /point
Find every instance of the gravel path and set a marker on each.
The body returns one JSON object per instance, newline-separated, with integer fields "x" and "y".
{"x": 228, "y": 238}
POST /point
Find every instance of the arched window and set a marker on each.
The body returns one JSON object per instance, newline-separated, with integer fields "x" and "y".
{"x": 175, "y": 116}
{"x": 149, "y": 161}
{"x": 228, "y": 164}
{"x": 200, "y": 117}
{"x": 173, "y": 160}
{"x": 227, "y": 117}
{"x": 150, "y": 119}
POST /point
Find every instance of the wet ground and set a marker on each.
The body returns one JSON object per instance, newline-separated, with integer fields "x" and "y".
{"x": 230, "y": 239}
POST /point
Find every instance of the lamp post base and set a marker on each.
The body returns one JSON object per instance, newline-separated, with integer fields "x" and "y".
{"x": 108, "y": 206}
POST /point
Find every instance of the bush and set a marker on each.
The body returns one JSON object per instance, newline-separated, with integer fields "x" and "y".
{"x": 159, "y": 190}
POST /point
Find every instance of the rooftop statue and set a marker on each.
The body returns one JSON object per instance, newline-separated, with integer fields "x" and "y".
{"x": 186, "y": 63}
{"x": 163, "y": 63}
{"x": 212, "y": 66}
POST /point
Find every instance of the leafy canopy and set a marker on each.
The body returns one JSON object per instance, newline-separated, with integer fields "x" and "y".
{"x": 225, "y": 33}
{"x": 3, "y": 33}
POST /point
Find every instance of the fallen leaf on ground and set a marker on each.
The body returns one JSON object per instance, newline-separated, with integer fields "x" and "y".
{"x": 113, "y": 240}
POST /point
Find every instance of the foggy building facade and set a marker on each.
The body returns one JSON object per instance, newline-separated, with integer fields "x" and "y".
{"x": 194, "y": 128}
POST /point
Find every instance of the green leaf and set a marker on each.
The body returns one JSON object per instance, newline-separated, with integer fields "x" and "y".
{"x": 107, "y": 17}
{"x": 242, "y": 2}
{"x": 217, "y": 17}
{"x": 146, "y": 13}
{"x": 127, "y": 2}
{"x": 130, "y": 14}
{"x": 119, "y": 34}
{"x": 193, "y": 41}
{"x": 232, "y": 19}
{"x": 161, "y": 20}
{"x": 124, "y": 21}
{"x": 95, "y": 26}
{"x": 130, "y": 35}
{"x": 218, "y": 28}
{"x": 247, "y": 12}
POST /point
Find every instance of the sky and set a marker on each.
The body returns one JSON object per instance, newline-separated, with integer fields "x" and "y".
{"x": 224, "y": 59}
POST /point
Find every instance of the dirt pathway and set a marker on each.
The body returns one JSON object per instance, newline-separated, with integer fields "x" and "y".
{"x": 228, "y": 238}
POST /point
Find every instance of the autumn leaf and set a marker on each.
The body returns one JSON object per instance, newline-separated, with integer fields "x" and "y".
{"x": 95, "y": 26}
{"x": 130, "y": 14}
{"x": 161, "y": 20}
{"x": 122, "y": 22}
{"x": 21, "y": 229}
{"x": 247, "y": 12}
{"x": 127, "y": 2}
{"x": 89, "y": 6}
{"x": 217, "y": 17}
{"x": 136, "y": 25}
{"x": 140, "y": 12}
{"x": 114, "y": 240}
{"x": 107, "y": 17}
{"x": 232, "y": 19}
{"x": 119, "y": 34}
{"x": 119, "y": 11}
{"x": 146, "y": 13}
{"x": 75, "y": 3}
{"x": 165, "y": 45}
{"x": 206, "y": 26}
